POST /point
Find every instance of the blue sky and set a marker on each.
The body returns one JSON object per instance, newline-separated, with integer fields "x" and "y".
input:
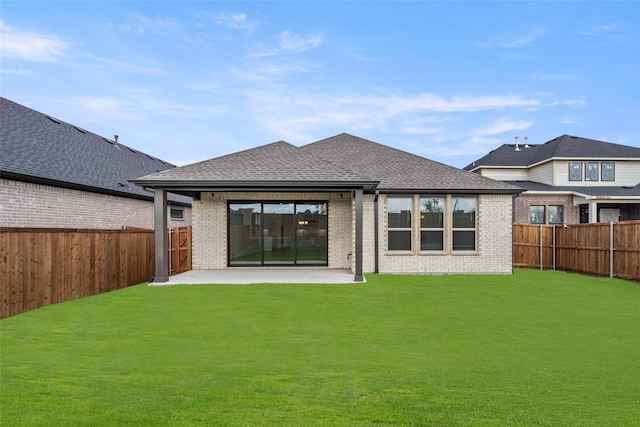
{"x": 187, "y": 81}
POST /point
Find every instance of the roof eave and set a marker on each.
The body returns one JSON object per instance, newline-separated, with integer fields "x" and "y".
{"x": 263, "y": 185}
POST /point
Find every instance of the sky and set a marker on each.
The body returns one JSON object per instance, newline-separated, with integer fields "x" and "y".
{"x": 450, "y": 81}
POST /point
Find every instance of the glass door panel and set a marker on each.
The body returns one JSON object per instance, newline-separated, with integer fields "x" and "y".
{"x": 311, "y": 233}
{"x": 278, "y": 233}
{"x": 245, "y": 243}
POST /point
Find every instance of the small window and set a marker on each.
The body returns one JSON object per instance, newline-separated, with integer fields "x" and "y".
{"x": 608, "y": 171}
{"x": 536, "y": 214}
{"x": 177, "y": 213}
{"x": 399, "y": 223}
{"x": 555, "y": 215}
{"x": 431, "y": 224}
{"x": 464, "y": 223}
{"x": 575, "y": 171}
{"x": 591, "y": 171}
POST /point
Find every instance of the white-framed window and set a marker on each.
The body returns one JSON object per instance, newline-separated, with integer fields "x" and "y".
{"x": 591, "y": 171}
{"x": 464, "y": 223}
{"x": 555, "y": 215}
{"x": 399, "y": 233}
{"x": 432, "y": 217}
{"x": 608, "y": 171}
{"x": 536, "y": 214}
{"x": 575, "y": 171}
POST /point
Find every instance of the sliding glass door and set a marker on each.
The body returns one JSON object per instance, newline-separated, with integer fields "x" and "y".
{"x": 277, "y": 233}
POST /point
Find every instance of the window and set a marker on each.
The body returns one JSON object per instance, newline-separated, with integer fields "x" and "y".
{"x": 464, "y": 223}
{"x": 176, "y": 213}
{"x": 399, "y": 218}
{"x": 608, "y": 171}
{"x": 431, "y": 224}
{"x": 555, "y": 214}
{"x": 575, "y": 171}
{"x": 536, "y": 214}
{"x": 591, "y": 171}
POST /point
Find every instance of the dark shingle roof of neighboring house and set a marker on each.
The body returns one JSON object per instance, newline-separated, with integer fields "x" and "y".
{"x": 38, "y": 148}
{"x": 343, "y": 160}
{"x": 601, "y": 191}
{"x": 565, "y": 146}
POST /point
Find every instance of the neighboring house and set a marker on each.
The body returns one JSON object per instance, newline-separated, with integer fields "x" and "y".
{"x": 568, "y": 180}
{"x": 342, "y": 202}
{"x": 56, "y": 175}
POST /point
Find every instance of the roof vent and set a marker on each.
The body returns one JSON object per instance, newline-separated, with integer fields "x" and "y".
{"x": 54, "y": 120}
{"x": 80, "y": 129}
{"x": 115, "y": 138}
{"x": 526, "y": 142}
{"x": 517, "y": 146}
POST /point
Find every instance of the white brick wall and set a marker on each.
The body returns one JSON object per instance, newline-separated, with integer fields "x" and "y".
{"x": 42, "y": 206}
{"x": 494, "y": 235}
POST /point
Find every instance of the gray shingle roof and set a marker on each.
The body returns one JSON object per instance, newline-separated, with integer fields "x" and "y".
{"x": 342, "y": 159}
{"x": 565, "y": 146}
{"x": 278, "y": 162}
{"x": 397, "y": 169}
{"x": 38, "y": 148}
{"x": 602, "y": 191}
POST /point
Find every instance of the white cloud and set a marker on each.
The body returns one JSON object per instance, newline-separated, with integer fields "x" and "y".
{"x": 502, "y": 125}
{"x": 514, "y": 41}
{"x": 30, "y": 46}
{"x": 553, "y": 76}
{"x": 290, "y": 42}
{"x": 234, "y": 21}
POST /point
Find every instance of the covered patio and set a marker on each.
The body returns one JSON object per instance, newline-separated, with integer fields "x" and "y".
{"x": 247, "y": 276}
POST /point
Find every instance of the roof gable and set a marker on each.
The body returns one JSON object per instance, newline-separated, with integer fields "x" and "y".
{"x": 565, "y": 146}
{"x": 397, "y": 169}
{"x": 39, "y": 148}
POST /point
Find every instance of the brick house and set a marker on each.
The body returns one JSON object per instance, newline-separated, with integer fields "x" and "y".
{"x": 342, "y": 202}
{"x": 568, "y": 180}
{"x": 57, "y": 175}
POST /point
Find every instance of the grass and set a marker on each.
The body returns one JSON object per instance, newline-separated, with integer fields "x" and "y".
{"x": 533, "y": 349}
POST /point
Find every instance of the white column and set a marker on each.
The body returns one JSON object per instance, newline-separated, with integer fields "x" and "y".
{"x": 593, "y": 211}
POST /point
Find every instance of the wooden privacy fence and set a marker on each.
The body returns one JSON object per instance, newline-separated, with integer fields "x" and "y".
{"x": 602, "y": 249}
{"x": 39, "y": 267}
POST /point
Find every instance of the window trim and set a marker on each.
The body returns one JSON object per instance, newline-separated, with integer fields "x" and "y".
{"x": 442, "y": 229}
{"x": 394, "y": 229}
{"x": 455, "y": 229}
{"x": 581, "y": 173}
{"x": 602, "y": 165}
{"x": 544, "y": 214}
{"x": 561, "y": 214}
{"x": 587, "y": 169}
{"x": 172, "y": 210}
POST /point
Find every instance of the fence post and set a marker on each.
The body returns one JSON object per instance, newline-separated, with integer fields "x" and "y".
{"x": 541, "y": 252}
{"x": 554, "y": 247}
{"x": 611, "y": 249}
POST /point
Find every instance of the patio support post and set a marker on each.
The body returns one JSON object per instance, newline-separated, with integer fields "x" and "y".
{"x": 358, "y": 274}
{"x": 593, "y": 212}
{"x": 160, "y": 236}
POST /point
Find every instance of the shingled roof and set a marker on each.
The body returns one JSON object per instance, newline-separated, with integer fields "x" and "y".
{"x": 42, "y": 149}
{"x": 342, "y": 160}
{"x": 600, "y": 191}
{"x": 565, "y": 147}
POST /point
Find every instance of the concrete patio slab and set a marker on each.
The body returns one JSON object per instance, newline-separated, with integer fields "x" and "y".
{"x": 246, "y": 276}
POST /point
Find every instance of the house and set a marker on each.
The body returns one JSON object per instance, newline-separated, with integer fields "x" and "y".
{"x": 344, "y": 203}
{"x": 57, "y": 175}
{"x": 568, "y": 180}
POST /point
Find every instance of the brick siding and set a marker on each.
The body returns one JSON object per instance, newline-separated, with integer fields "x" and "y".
{"x": 571, "y": 214}
{"x": 30, "y": 205}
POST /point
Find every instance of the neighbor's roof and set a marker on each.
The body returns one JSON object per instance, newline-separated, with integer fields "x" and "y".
{"x": 38, "y": 148}
{"x": 343, "y": 160}
{"x": 565, "y": 147}
{"x": 600, "y": 191}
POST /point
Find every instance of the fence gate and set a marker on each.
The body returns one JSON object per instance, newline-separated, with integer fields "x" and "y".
{"x": 179, "y": 250}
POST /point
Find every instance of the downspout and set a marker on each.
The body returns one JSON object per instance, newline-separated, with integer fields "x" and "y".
{"x": 375, "y": 232}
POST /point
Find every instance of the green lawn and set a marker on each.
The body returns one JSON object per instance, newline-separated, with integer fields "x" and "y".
{"x": 534, "y": 349}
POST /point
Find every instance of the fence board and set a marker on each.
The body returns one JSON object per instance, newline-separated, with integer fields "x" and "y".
{"x": 582, "y": 248}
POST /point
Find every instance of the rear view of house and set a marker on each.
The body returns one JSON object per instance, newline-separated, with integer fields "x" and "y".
{"x": 342, "y": 202}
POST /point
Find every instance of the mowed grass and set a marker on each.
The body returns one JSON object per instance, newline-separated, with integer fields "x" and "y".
{"x": 533, "y": 349}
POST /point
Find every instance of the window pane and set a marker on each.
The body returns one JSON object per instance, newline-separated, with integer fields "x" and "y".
{"x": 591, "y": 171}
{"x": 555, "y": 214}
{"x": 431, "y": 240}
{"x": 464, "y": 213}
{"x": 536, "y": 214}
{"x": 431, "y": 213}
{"x": 464, "y": 240}
{"x": 575, "y": 171}
{"x": 400, "y": 240}
{"x": 244, "y": 233}
{"x": 608, "y": 171}
{"x": 399, "y": 212}
{"x": 311, "y": 233}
